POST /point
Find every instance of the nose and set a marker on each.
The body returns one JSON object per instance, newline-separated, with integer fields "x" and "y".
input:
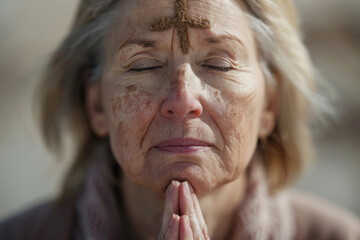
{"x": 183, "y": 98}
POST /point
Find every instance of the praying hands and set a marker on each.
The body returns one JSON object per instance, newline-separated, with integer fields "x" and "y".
{"x": 182, "y": 217}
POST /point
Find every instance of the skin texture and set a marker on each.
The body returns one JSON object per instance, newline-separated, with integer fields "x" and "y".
{"x": 152, "y": 92}
{"x": 181, "y": 23}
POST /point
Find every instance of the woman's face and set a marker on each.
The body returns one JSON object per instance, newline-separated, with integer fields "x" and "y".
{"x": 170, "y": 115}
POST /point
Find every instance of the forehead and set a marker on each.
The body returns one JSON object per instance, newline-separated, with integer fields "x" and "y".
{"x": 134, "y": 17}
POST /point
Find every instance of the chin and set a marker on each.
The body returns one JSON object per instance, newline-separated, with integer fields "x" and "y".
{"x": 200, "y": 168}
{"x": 203, "y": 170}
{"x": 201, "y": 180}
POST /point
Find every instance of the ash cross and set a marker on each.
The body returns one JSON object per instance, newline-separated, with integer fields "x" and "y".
{"x": 180, "y": 22}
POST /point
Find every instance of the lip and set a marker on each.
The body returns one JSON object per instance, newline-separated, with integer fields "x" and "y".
{"x": 183, "y": 145}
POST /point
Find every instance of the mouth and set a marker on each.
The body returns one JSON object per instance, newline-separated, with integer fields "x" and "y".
{"x": 183, "y": 145}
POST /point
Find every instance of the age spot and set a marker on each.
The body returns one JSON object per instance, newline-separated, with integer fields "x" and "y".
{"x": 130, "y": 89}
{"x": 116, "y": 106}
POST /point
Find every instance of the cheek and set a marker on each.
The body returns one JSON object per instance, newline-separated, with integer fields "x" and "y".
{"x": 241, "y": 114}
{"x": 129, "y": 104}
{"x": 239, "y": 128}
{"x": 130, "y": 112}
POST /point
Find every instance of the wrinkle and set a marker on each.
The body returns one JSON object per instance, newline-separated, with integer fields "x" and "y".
{"x": 229, "y": 105}
{"x": 173, "y": 42}
{"x": 145, "y": 133}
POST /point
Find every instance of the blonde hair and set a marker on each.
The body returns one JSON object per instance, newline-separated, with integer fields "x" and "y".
{"x": 276, "y": 30}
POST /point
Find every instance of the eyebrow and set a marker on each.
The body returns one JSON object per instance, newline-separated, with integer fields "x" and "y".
{"x": 145, "y": 43}
{"x": 142, "y": 42}
{"x": 221, "y": 38}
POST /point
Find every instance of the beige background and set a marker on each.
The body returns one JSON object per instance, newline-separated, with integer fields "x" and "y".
{"x": 29, "y": 31}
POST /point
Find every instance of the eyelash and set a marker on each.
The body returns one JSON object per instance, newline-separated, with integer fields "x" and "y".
{"x": 222, "y": 69}
{"x": 144, "y": 69}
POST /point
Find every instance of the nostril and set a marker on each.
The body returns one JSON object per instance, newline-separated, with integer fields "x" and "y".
{"x": 195, "y": 112}
{"x": 184, "y": 106}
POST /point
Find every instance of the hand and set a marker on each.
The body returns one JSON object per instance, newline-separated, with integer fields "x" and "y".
{"x": 182, "y": 217}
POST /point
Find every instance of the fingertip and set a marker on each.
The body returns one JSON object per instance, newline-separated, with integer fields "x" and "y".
{"x": 186, "y": 186}
{"x": 182, "y": 199}
{"x": 175, "y": 183}
{"x": 185, "y": 231}
{"x": 191, "y": 188}
{"x": 173, "y": 230}
{"x": 169, "y": 188}
{"x": 185, "y": 189}
{"x": 184, "y": 223}
{"x": 172, "y": 190}
{"x": 171, "y": 206}
{"x": 174, "y": 220}
{"x": 185, "y": 201}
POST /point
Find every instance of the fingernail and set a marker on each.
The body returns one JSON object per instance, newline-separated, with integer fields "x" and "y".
{"x": 175, "y": 183}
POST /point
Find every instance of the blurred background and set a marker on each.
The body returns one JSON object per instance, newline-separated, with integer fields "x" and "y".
{"x": 30, "y": 30}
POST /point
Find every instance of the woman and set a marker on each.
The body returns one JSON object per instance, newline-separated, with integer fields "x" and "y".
{"x": 188, "y": 119}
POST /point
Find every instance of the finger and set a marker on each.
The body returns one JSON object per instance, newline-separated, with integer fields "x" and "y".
{"x": 187, "y": 208}
{"x": 198, "y": 212}
{"x": 171, "y": 205}
{"x": 173, "y": 230}
{"x": 185, "y": 231}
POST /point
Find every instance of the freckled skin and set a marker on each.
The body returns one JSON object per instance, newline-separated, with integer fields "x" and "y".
{"x": 230, "y": 103}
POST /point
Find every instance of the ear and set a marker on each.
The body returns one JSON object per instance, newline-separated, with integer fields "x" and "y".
{"x": 95, "y": 110}
{"x": 269, "y": 114}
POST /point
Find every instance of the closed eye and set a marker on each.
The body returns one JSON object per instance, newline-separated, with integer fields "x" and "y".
{"x": 144, "y": 69}
{"x": 145, "y": 64}
{"x": 218, "y": 68}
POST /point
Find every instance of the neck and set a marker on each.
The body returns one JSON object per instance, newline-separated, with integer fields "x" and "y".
{"x": 145, "y": 210}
